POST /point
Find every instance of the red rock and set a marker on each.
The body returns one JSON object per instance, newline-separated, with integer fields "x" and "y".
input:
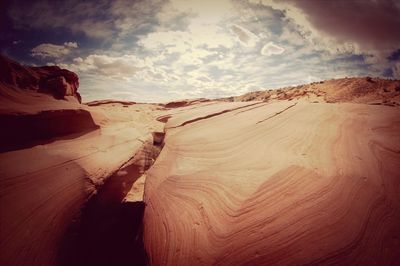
{"x": 46, "y": 79}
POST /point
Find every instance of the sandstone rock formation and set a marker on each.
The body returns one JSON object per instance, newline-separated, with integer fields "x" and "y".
{"x": 102, "y": 102}
{"x": 182, "y": 103}
{"x": 48, "y": 79}
{"x": 46, "y": 215}
{"x": 284, "y": 183}
{"x": 39, "y": 105}
{"x": 303, "y": 175}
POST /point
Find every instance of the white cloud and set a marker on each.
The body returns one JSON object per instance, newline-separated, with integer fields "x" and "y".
{"x": 205, "y": 11}
{"x": 125, "y": 66}
{"x": 198, "y": 36}
{"x": 204, "y": 28}
{"x": 168, "y": 41}
{"x": 299, "y": 24}
{"x": 271, "y": 49}
{"x": 71, "y": 44}
{"x": 180, "y": 49}
{"x": 48, "y": 50}
{"x": 333, "y": 27}
{"x": 291, "y": 36}
{"x": 244, "y": 36}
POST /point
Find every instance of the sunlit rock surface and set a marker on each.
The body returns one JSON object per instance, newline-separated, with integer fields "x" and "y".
{"x": 284, "y": 183}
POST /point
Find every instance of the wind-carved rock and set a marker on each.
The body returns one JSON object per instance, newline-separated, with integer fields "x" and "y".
{"x": 26, "y": 105}
{"x": 47, "y": 79}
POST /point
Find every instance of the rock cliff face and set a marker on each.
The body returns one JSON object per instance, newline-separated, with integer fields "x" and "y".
{"x": 47, "y": 79}
{"x": 60, "y": 201}
{"x": 39, "y": 105}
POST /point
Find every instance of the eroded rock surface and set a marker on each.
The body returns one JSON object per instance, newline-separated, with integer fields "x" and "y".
{"x": 285, "y": 183}
{"x": 47, "y": 79}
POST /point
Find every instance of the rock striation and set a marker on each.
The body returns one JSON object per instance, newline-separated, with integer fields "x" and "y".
{"x": 281, "y": 183}
{"x": 39, "y": 105}
{"x": 62, "y": 202}
{"x": 307, "y": 175}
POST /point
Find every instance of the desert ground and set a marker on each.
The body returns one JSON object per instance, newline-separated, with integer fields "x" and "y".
{"x": 299, "y": 175}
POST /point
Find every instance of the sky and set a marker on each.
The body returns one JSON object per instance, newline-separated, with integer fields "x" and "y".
{"x": 157, "y": 51}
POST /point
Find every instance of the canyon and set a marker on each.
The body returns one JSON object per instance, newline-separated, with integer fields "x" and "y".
{"x": 300, "y": 175}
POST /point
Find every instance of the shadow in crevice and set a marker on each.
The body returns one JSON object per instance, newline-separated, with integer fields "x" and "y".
{"x": 109, "y": 231}
{"x": 20, "y": 131}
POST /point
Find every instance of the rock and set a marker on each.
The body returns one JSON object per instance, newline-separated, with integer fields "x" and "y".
{"x": 185, "y": 102}
{"x": 276, "y": 184}
{"x": 28, "y": 113}
{"x": 47, "y": 79}
{"x": 349, "y": 90}
{"x": 110, "y": 102}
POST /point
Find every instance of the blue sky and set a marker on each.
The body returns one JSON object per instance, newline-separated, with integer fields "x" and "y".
{"x": 157, "y": 51}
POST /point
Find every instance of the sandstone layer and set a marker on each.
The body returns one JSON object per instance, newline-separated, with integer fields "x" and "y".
{"x": 285, "y": 183}
{"x": 39, "y": 105}
{"x": 44, "y": 188}
{"x": 55, "y": 157}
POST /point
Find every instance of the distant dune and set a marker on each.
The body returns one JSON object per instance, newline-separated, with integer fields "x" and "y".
{"x": 293, "y": 176}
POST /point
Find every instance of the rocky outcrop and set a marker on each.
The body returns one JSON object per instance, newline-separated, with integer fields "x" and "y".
{"x": 367, "y": 90}
{"x": 103, "y": 102}
{"x": 182, "y": 103}
{"x": 31, "y": 112}
{"x": 47, "y": 79}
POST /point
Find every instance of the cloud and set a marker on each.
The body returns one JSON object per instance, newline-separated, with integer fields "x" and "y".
{"x": 125, "y": 67}
{"x": 396, "y": 70}
{"x": 205, "y": 11}
{"x": 373, "y": 25}
{"x": 197, "y": 36}
{"x": 344, "y": 26}
{"x": 271, "y": 49}
{"x": 157, "y": 49}
{"x": 77, "y": 16}
{"x": 48, "y": 50}
{"x": 71, "y": 44}
{"x": 246, "y": 37}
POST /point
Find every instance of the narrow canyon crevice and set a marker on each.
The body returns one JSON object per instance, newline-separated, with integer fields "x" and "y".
{"x": 277, "y": 113}
{"x": 108, "y": 230}
{"x": 214, "y": 114}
